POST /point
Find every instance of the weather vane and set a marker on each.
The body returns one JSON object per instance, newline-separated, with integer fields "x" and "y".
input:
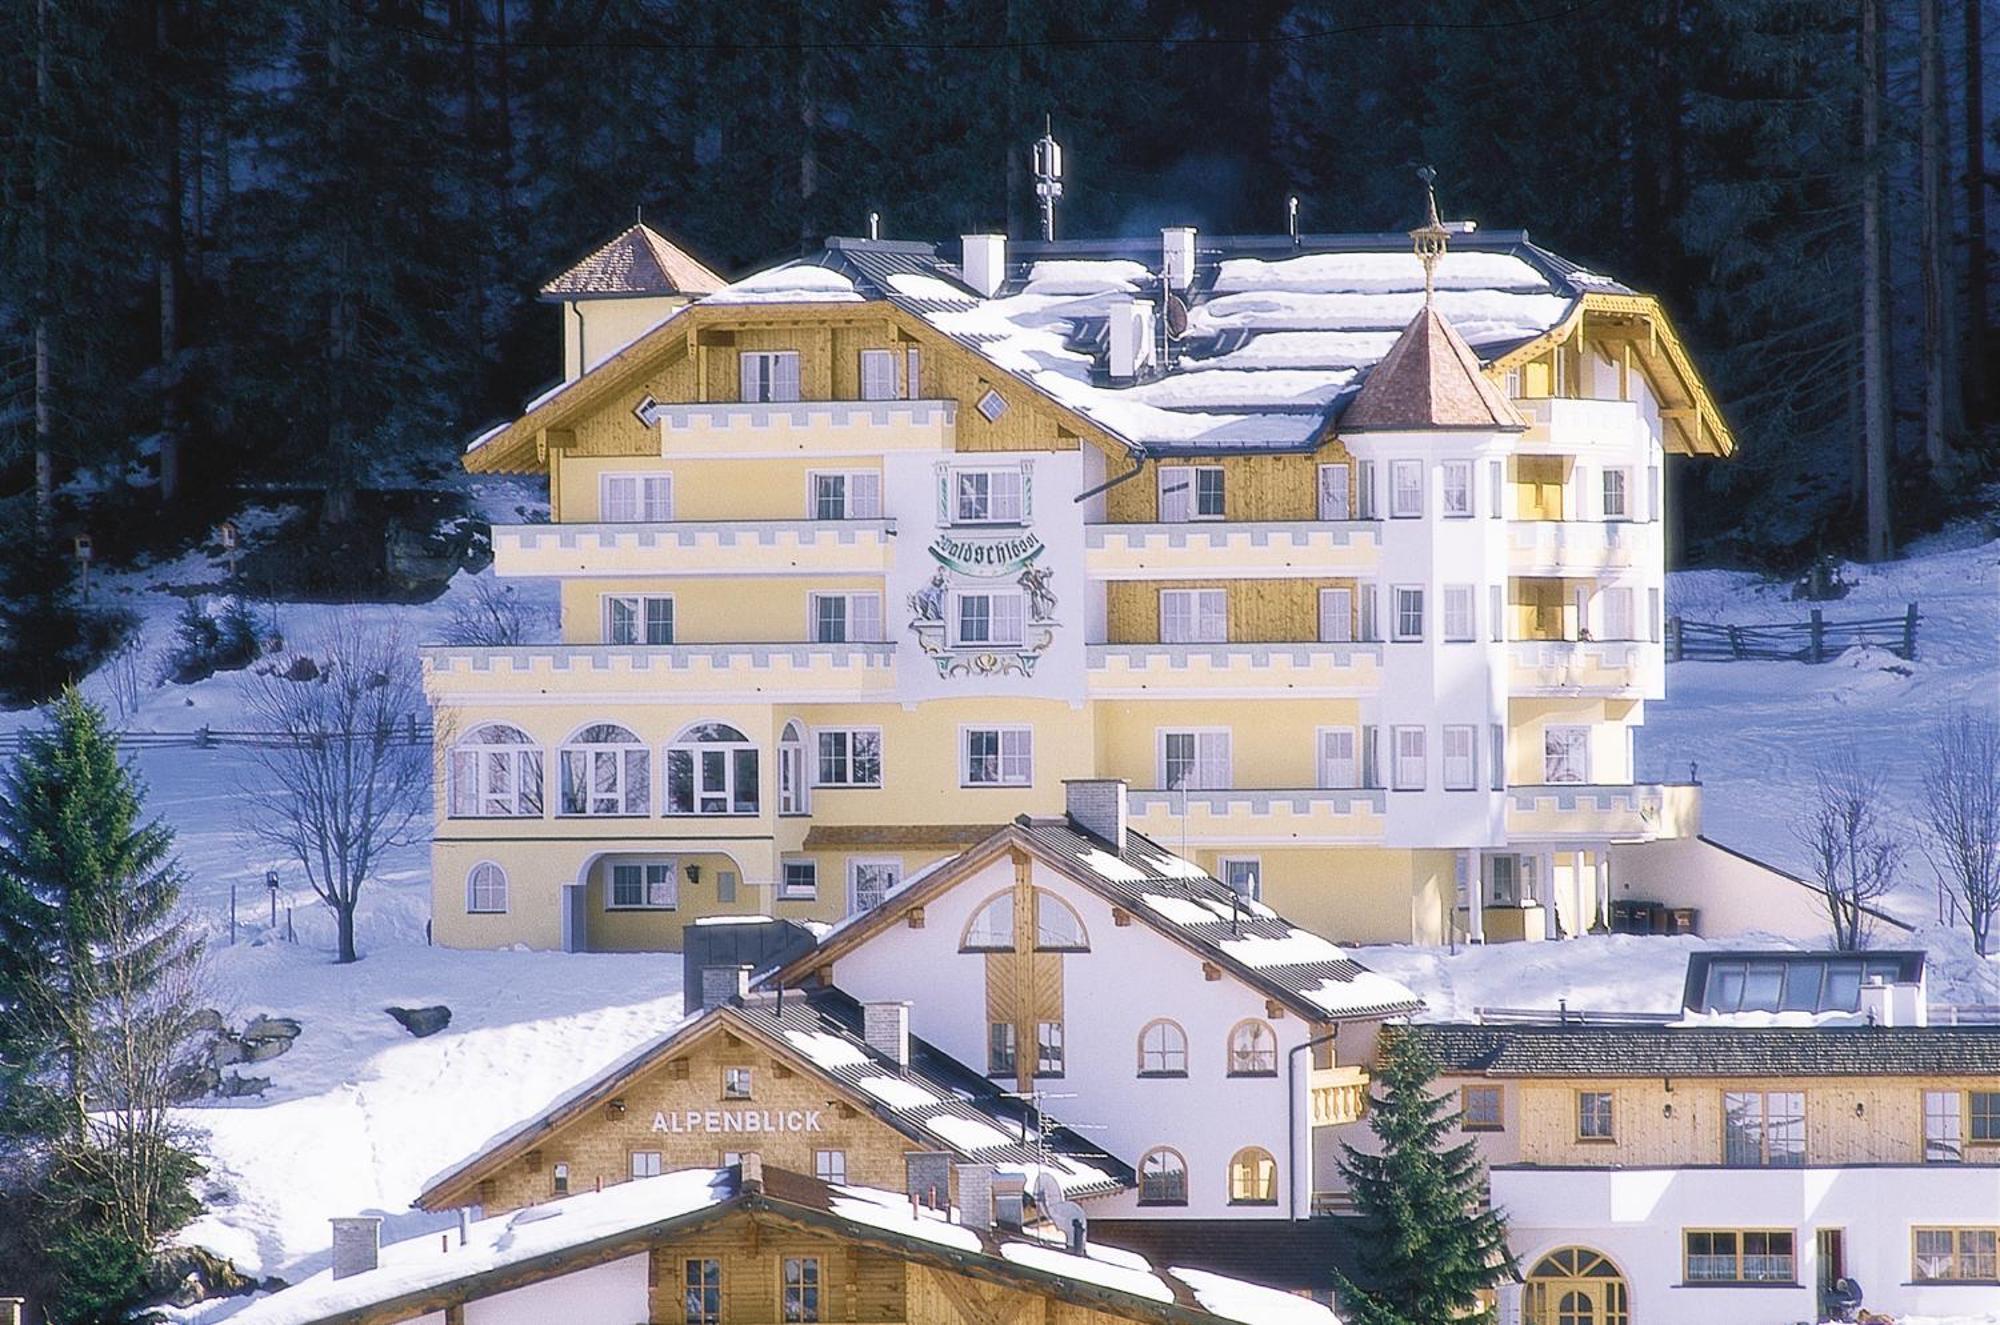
{"x": 1430, "y": 237}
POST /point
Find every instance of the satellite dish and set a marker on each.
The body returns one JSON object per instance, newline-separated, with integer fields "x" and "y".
{"x": 1176, "y": 315}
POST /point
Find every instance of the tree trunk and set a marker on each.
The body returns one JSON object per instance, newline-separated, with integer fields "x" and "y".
{"x": 169, "y": 259}
{"x": 45, "y": 463}
{"x": 808, "y": 108}
{"x": 1875, "y": 420}
{"x": 1012, "y": 174}
{"x": 343, "y": 918}
{"x": 1973, "y": 363}
{"x": 337, "y": 508}
{"x": 1933, "y": 237}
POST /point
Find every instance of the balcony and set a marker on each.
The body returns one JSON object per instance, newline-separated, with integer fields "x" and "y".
{"x": 1337, "y": 1095}
{"x": 1231, "y": 550}
{"x": 741, "y": 431}
{"x": 733, "y": 547}
{"x": 1620, "y": 812}
{"x": 1563, "y": 424}
{"x": 1613, "y": 668}
{"x": 1259, "y": 818}
{"x": 1298, "y": 671}
{"x": 1582, "y": 549}
{"x": 668, "y": 672}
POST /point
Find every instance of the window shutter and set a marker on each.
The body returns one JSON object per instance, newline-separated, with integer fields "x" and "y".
{"x": 1009, "y": 619}
{"x": 864, "y": 619}
{"x": 1214, "y": 606}
{"x": 878, "y": 374}
{"x": 620, "y": 499}
{"x": 785, "y": 376}
{"x": 750, "y": 383}
{"x": 864, "y": 496}
{"x": 1336, "y": 615}
{"x": 1175, "y": 494}
{"x": 1333, "y": 492}
{"x": 1212, "y": 759}
{"x": 659, "y": 497}
{"x": 913, "y": 381}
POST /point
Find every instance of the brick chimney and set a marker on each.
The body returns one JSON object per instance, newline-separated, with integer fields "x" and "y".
{"x": 1097, "y": 805}
{"x": 886, "y": 1028}
{"x": 357, "y": 1244}
{"x": 975, "y": 1195}
{"x": 929, "y": 1178}
{"x": 723, "y": 984}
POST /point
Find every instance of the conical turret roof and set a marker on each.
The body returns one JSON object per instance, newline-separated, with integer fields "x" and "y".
{"x": 1430, "y": 378}
{"x": 641, "y": 261}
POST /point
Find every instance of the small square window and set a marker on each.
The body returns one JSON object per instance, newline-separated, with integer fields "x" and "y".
{"x": 801, "y": 882}
{"x": 1479, "y": 1109}
{"x": 645, "y": 1163}
{"x": 830, "y": 1165}
{"x": 991, "y": 406}
{"x": 736, "y": 1083}
{"x": 1593, "y": 1115}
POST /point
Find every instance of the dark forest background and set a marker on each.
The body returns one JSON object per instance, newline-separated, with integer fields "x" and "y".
{"x": 294, "y": 243}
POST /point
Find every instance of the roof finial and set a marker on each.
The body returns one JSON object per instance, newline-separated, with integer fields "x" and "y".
{"x": 638, "y": 213}
{"x": 1431, "y": 237}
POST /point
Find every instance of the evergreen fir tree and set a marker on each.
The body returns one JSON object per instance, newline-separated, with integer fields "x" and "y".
{"x": 1427, "y": 1241}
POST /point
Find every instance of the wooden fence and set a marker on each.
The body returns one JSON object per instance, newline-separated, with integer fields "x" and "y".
{"x": 1813, "y": 641}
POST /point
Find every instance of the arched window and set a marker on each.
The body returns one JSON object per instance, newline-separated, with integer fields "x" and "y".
{"x": 992, "y": 926}
{"x": 496, "y": 772}
{"x": 1162, "y": 1050}
{"x": 1057, "y": 928}
{"x": 605, "y": 770}
{"x": 486, "y": 888}
{"x": 1163, "y": 1178}
{"x": 1253, "y": 1050}
{"x": 1576, "y": 1286}
{"x": 792, "y": 770}
{"x": 711, "y": 769}
{"x": 1253, "y": 1177}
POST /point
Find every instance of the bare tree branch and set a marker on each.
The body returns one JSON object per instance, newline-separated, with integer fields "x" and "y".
{"x": 1961, "y": 815}
{"x": 1855, "y": 852}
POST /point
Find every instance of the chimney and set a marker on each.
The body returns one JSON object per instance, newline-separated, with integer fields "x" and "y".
{"x": 723, "y": 984}
{"x": 886, "y": 1028}
{"x": 1097, "y": 805}
{"x": 10, "y": 1310}
{"x": 1131, "y": 338}
{"x": 752, "y": 1169}
{"x": 1010, "y": 1199}
{"x": 464, "y": 1225}
{"x": 983, "y": 262}
{"x": 1177, "y": 256}
{"x": 357, "y": 1244}
{"x": 975, "y": 1195}
{"x": 1878, "y": 1002}
{"x": 929, "y": 1178}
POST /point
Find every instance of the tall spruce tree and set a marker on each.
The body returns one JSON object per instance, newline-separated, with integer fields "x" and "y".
{"x": 1427, "y": 1242}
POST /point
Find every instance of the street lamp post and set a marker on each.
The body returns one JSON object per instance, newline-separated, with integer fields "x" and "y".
{"x": 271, "y": 882}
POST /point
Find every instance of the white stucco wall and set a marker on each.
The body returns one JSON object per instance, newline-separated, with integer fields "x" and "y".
{"x": 1734, "y": 893}
{"x": 613, "y": 1293}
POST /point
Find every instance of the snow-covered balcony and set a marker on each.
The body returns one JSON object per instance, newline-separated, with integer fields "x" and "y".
{"x": 1581, "y": 548}
{"x": 739, "y": 430}
{"x": 1294, "y": 671}
{"x": 1628, "y": 669}
{"x": 1263, "y": 817}
{"x": 1561, "y": 423}
{"x": 1587, "y": 812}
{"x": 662, "y": 673}
{"x": 687, "y": 547}
{"x": 1232, "y": 550}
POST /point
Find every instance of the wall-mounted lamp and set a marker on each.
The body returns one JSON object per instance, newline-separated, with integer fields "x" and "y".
{"x": 1860, "y": 1108}
{"x": 1666, "y": 1111}
{"x": 694, "y": 874}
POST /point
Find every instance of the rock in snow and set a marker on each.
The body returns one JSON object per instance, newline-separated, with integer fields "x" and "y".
{"x": 422, "y": 1021}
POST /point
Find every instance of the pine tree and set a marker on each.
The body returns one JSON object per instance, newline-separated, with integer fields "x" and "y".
{"x": 1427, "y": 1241}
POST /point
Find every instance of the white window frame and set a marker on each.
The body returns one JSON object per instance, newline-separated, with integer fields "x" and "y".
{"x": 1496, "y": 478}
{"x": 1409, "y": 756}
{"x": 1328, "y": 762}
{"x": 859, "y": 496}
{"x": 1201, "y": 616}
{"x": 640, "y": 609}
{"x": 1210, "y": 767}
{"x": 855, "y": 866}
{"x": 1406, "y": 489}
{"x": 1455, "y": 489}
{"x": 1580, "y": 734}
{"x": 699, "y": 786}
{"x": 471, "y": 794}
{"x": 1185, "y": 491}
{"x": 633, "y": 795}
{"x": 830, "y": 1167}
{"x": 1335, "y": 496}
{"x": 652, "y": 497}
{"x": 1459, "y": 602}
{"x": 794, "y": 779}
{"x": 646, "y": 1164}
{"x": 1012, "y": 768}
{"x": 1336, "y": 616}
{"x": 913, "y": 370}
{"x": 1005, "y": 497}
{"x": 880, "y": 365}
{"x": 1006, "y": 619}
{"x": 768, "y": 377}
{"x": 663, "y": 875}
{"x": 845, "y": 759}
{"x": 1503, "y": 891}
{"x": 1461, "y": 771}
{"x": 473, "y": 890}
{"x": 791, "y": 892}
{"x": 1616, "y": 483}
{"x": 1399, "y": 619}
{"x": 1225, "y": 865}
{"x": 860, "y": 618}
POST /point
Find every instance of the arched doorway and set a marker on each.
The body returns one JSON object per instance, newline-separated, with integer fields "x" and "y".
{"x": 1577, "y": 1286}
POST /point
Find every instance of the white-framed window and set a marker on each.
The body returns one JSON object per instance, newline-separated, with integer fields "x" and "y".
{"x": 846, "y": 618}
{"x": 1409, "y": 745}
{"x": 1194, "y": 616}
{"x": 991, "y": 405}
{"x": 486, "y": 889}
{"x": 1460, "y": 624}
{"x": 711, "y": 769}
{"x": 770, "y": 376}
{"x": 1334, "y": 481}
{"x": 996, "y": 756}
{"x": 1163, "y": 1050}
{"x": 1243, "y": 874}
{"x": 991, "y": 928}
{"x": 830, "y": 1166}
{"x": 1190, "y": 492}
{"x": 638, "y": 618}
{"x": 736, "y": 1083}
{"x": 1618, "y": 614}
{"x": 869, "y": 881}
{"x": 1496, "y": 757}
{"x": 1409, "y": 618}
{"x": 1194, "y": 760}
{"x": 643, "y": 886}
{"x": 989, "y": 617}
{"x": 1338, "y": 766}
{"x": 1459, "y": 744}
{"x": 1566, "y": 754}
{"x": 496, "y": 773}
{"x": 1366, "y": 501}
{"x": 1617, "y": 501}
{"x": 645, "y": 1163}
{"x": 848, "y": 757}
{"x": 1455, "y": 482}
{"x": 793, "y": 797}
{"x": 987, "y": 496}
{"x": 1049, "y": 1056}
{"x": 1336, "y": 616}
{"x": 1944, "y": 1126}
{"x": 606, "y": 770}
{"x": 799, "y": 881}
{"x": 1503, "y": 881}
{"x": 625, "y": 498}
{"x": 845, "y": 495}
{"x": 1406, "y": 489}
{"x": 1496, "y": 612}
{"x": 1496, "y": 483}
{"x": 878, "y": 375}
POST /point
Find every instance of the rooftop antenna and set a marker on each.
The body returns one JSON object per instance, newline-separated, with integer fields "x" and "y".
{"x": 1292, "y": 218}
{"x": 638, "y": 213}
{"x": 1431, "y": 237}
{"x": 874, "y": 225}
{"x": 1048, "y": 176}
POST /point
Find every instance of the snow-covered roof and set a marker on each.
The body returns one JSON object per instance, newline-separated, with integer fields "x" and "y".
{"x": 595, "y": 1227}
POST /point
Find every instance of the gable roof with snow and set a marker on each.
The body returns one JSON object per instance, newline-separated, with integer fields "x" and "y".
{"x": 1173, "y": 896}
{"x": 637, "y": 263}
{"x": 529, "y": 1246}
{"x": 935, "y": 1101}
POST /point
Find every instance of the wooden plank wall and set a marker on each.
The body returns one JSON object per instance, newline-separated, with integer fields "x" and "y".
{"x": 1260, "y": 611}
